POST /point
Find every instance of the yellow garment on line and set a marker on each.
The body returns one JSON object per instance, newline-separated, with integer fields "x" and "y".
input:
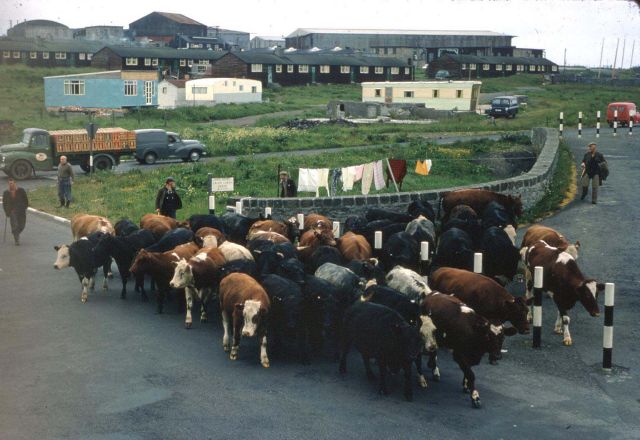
{"x": 423, "y": 167}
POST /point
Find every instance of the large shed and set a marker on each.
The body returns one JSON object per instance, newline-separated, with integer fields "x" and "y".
{"x": 439, "y": 95}
{"x": 212, "y": 91}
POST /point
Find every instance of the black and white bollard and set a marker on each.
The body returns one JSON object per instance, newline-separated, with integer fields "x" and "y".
{"x": 300, "y": 221}
{"x": 477, "y": 262}
{"x": 598, "y": 124}
{"x": 239, "y": 207}
{"x": 424, "y": 257}
{"x": 579, "y": 124}
{"x": 336, "y": 229}
{"x": 267, "y": 211}
{"x": 537, "y": 306}
{"x": 630, "y": 127}
{"x": 561, "y": 123}
{"x": 377, "y": 240}
{"x": 615, "y": 122}
{"x": 607, "y": 337}
{"x": 212, "y": 197}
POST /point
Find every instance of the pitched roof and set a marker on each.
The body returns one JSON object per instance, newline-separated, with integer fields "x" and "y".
{"x": 499, "y": 60}
{"x": 41, "y": 45}
{"x": 345, "y": 57}
{"x": 306, "y": 31}
{"x": 165, "y": 52}
{"x": 178, "y": 18}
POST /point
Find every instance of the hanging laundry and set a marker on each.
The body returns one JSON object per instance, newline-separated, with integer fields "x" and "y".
{"x": 428, "y": 163}
{"x": 307, "y": 180}
{"x": 378, "y": 175}
{"x": 359, "y": 171}
{"x": 323, "y": 180}
{"x": 334, "y": 178}
{"x": 367, "y": 178}
{"x": 399, "y": 170}
{"x": 348, "y": 176}
{"x": 423, "y": 167}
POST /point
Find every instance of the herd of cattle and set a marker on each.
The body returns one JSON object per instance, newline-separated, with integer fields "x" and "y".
{"x": 311, "y": 291}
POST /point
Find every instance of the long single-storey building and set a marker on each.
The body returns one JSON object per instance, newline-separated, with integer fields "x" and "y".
{"x": 212, "y": 91}
{"x": 473, "y": 67}
{"x": 439, "y": 95}
{"x": 45, "y": 53}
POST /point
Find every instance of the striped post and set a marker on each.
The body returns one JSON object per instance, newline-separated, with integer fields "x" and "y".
{"x": 537, "y": 306}
{"x": 267, "y": 211}
{"x": 598, "y": 124}
{"x": 607, "y": 337}
{"x": 377, "y": 240}
{"x": 561, "y": 122}
{"x": 336, "y": 229}
{"x": 424, "y": 257}
{"x": 212, "y": 197}
{"x": 300, "y": 221}
{"x": 615, "y": 122}
{"x": 239, "y": 207}
{"x": 630, "y": 127}
{"x": 579, "y": 124}
{"x": 477, "y": 262}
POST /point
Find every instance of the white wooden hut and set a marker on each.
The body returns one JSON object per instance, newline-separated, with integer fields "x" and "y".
{"x": 171, "y": 93}
{"x": 212, "y": 91}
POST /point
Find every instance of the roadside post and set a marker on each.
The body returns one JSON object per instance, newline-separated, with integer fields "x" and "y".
{"x": 537, "y": 306}
{"x": 630, "y": 127}
{"x": 424, "y": 257}
{"x": 477, "y": 262}
{"x": 218, "y": 184}
{"x": 598, "y": 124}
{"x": 615, "y": 122}
{"x": 561, "y": 123}
{"x": 579, "y": 124}
{"x": 607, "y": 337}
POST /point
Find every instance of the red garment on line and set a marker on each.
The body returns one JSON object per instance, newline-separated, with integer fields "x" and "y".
{"x": 399, "y": 168}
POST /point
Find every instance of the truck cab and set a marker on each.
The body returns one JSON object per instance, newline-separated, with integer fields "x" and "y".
{"x": 154, "y": 144}
{"x": 627, "y": 112}
{"x": 32, "y": 153}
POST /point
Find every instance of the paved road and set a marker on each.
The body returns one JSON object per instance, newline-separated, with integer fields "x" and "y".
{"x": 112, "y": 369}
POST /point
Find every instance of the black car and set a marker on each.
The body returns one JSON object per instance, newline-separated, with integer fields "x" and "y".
{"x": 506, "y": 106}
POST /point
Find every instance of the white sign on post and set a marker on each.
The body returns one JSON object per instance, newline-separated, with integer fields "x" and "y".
{"x": 221, "y": 184}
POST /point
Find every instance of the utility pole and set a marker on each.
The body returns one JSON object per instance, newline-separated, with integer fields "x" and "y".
{"x": 600, "y": 65}
{"x": 624, "y": 45}
{"x": 632, "y": 48}
{"x": 615, "y": 60}
{"x": 565, "y": 60}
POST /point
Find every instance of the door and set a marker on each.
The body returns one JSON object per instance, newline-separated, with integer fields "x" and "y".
{"x": 148, "y": 92}
{"x": 388, "y": 95}
{"x": 269, "y": 74}
{"x": 313, "y": 74}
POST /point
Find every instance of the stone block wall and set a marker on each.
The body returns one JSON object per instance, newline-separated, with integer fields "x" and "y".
{"x": 531, "y": 186}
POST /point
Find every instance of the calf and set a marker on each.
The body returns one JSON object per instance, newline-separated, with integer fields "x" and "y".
{"x": 408, "y": 282}
{"x": 455, "y": 249}
{"x": 171, "y": 239}
{"x": 354, "y": 247}
{"x": 478, "y": 199}
{"x": 244, "y": 305}
{"x": 84, "y": 224}
{"x": 551, "y": 237}
{"x": 500, "y": 256}
{"x": 199, "y": 276}
{"x": 379, "y": 332}
{"x": 82, "y": 257}
{"x": 463, "y": 331}
{"x": 463, "y": 212}
{"x": 271, "y": 236}
{"x": 317, "y": 237}
{"x": 494, "y": 214}
{"x": 368, "y": 269}
{"x": 209, "y": 237}
{"x": 564, "y": 281}
{"x": 158, "y": 224}
{"x": 317, "y": 221}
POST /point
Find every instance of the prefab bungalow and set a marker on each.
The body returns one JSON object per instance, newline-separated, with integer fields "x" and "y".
{"x": 474, "y": 67}
{"x": 44, "y": 53}
{"x": 212, "y": 91}
{"x": 439, "y": 95}
{"x": 101, "y": 90}
{"x": 171, "y": 93}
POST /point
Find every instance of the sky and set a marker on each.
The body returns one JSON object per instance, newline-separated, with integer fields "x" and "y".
{"x": 579, "y": 26}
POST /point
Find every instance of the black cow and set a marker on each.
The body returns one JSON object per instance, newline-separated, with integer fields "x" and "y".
{"x": 320, "y": 255}
{"x": 421, "y": 207}
{"x": 237, "y": 226}
{"x": 471, "y": 227}
{"x": 423, "y": 229}
{"x": 198, "y": 221}
{"x": 395, "y": 300}
{"x": 171, "y": 239}
{"x": 401, "y": 249}
{"x": 495, "y": 214}
{"x": 241, "y": 266}
{"x": 125, "y": 227}
{"x": 373, "y": 214}
{"x": 368, "y": 269}
{"x": 381, "y": 333}
{"x": 499, "y": 256}
{"x": 455, "y": 249}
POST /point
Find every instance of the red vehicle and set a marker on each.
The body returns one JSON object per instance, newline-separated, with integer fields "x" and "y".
{"x": 626, "y": 112}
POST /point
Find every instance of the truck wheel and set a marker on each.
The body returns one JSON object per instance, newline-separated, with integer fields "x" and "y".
{"x": 194, "y": 156}
{"x": 150, "y": 158}
{"x": 102, "y": 163}
{"x": 84, "y": 166}
{"x": 21, "y": 169}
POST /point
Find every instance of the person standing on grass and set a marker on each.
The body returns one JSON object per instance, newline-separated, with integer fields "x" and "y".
{"x": 287, "y": 185}
{"x": 591, "y": 164}
{"x": 168, "y": 201}
{"x": 15, "y": 204}
{"x": 65, "y": 180}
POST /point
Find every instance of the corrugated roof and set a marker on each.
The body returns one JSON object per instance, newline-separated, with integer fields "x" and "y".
{"x": 322, "y": 57}
{"x": 178, "y": 18}
{"x": 166, "y": 52}
{"x": 306, "y": 31}
{"x": 499, "y": 60}
{"x": 40, "y": 45}
{"x": 39, "y": 23}
{"x": 109, "y": 74}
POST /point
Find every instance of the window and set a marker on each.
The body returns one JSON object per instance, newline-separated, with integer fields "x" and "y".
{"x": 407, "y": 70}
{"x": 520, "y": 67}
{"x": 147, "y": 61}
{"x": 278, "y": 68}
{"x": 378, "y": 93}
{"x": 199, "y": 90}
{"x": 241, "y": 88}
{"x": 509, "y": 67}
{"x": 132, "y": 62}
{"x": 154, "y": 61}
{"x": 498, "y": 67}
{"x": 183, "y": 62}
{"x": 532, "y": 68}
{"x": 554, "y": 68}
{"x": 256, "y": 67}
{"x": 190, "y": 63}
{"x": 436, "y": 92}
{"x": 289, "y": 68}
{"x": 130, "y": 87}
{"x": 89, "y": 56}
{"x": 485, "y": 67}
{"x": 34, "y": 55}
{"x": 303, "y": 68}
{"x": 81, "y": 56}
{"x": 325, "y": 69}
{"x": 6, "y": 54}
{"x": 464, "y": 67}
{"x": 472, "y": 66}
{"x": 395, "y": 70}
{"x": 203, "y": 62}
{"x": 408, "y": 94}
{"x": 73, "y": 87}
{"x": 254, "y": 89}
{"x": 61, "y": 55}
{"x": 345, "y": 69}
{"x": 378, "y": 70}
{"x": 364, "y": 70}
{"x": 458, "y": 93}
{"x": 164, "y": 90}
{"x": 16, "y": 54}
{"x": 45, "y": 55}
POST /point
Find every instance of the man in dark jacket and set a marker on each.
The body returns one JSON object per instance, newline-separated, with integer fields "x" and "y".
{"x": 168, "y": 201}
{"x": 15, "y": 203}
{"x": 287, "y": 185}
{"x": 591, "y": 163}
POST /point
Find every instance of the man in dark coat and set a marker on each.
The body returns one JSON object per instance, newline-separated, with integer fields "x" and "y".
{"x": 591, "y": 163}
{"x": 15, "y": 203}
{"x": 287, "y": 185}
{"x": 168, "y": 201}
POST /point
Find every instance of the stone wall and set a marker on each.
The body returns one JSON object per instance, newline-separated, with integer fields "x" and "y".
{"x": 531, "y": 186}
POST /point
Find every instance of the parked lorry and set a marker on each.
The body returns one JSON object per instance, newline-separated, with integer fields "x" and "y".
{"x": 626, "y": 112}
{"x": 154, "y": 144}
{"x": 40, "y": 150}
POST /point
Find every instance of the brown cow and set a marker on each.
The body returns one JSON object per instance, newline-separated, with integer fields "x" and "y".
{"x": 84, "y": 224}
{"x": 463, "y": 212}
{"x": 564, "y": 281}
{"x": 158, "y": 224}
{"x": 273, "y": 237}
{"x": 552, "y": 237}
{"x": 317, "y": 237}
{"x": 245, "y": 306}
{"x": 478, "y": 199}
{"x": 287, "y": 228}
{"x": 317, "y": 221}
{"x": 209, "y": 237}
{"x": 354, "y": 247}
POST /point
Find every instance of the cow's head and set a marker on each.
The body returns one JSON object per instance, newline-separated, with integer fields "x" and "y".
{"x": 63, "y": 259}
{"x": 428, "y": 333}
{"x": 324, "y": 236}
{"x": 293, "y": 228}
{"x": 182, "y": 275}
{"x": 140, "y": 262}
{"x": 588, "y": 296}
{"x": 517, "y": 314}
{"x": 516, "y": 205}
{"x": 572, "y": 250}
{"x": 252, "y": 314}
{"x": 209, "y": 241}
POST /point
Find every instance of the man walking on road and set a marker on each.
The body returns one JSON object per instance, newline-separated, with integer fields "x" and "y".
{"x": 15, "y": 203}
{"x": 168, "y": 200}
{"x": 591, "y": 171}
{"x": 65, "y": 180}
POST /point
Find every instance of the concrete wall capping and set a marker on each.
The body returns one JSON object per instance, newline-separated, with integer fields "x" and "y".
{"x": 532, "y": 186}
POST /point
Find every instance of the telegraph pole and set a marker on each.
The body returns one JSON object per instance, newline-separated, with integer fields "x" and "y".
{"x": 600, "y": 65}
{"x": 632, "y": 48}
{"x": 615, "y": 60}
